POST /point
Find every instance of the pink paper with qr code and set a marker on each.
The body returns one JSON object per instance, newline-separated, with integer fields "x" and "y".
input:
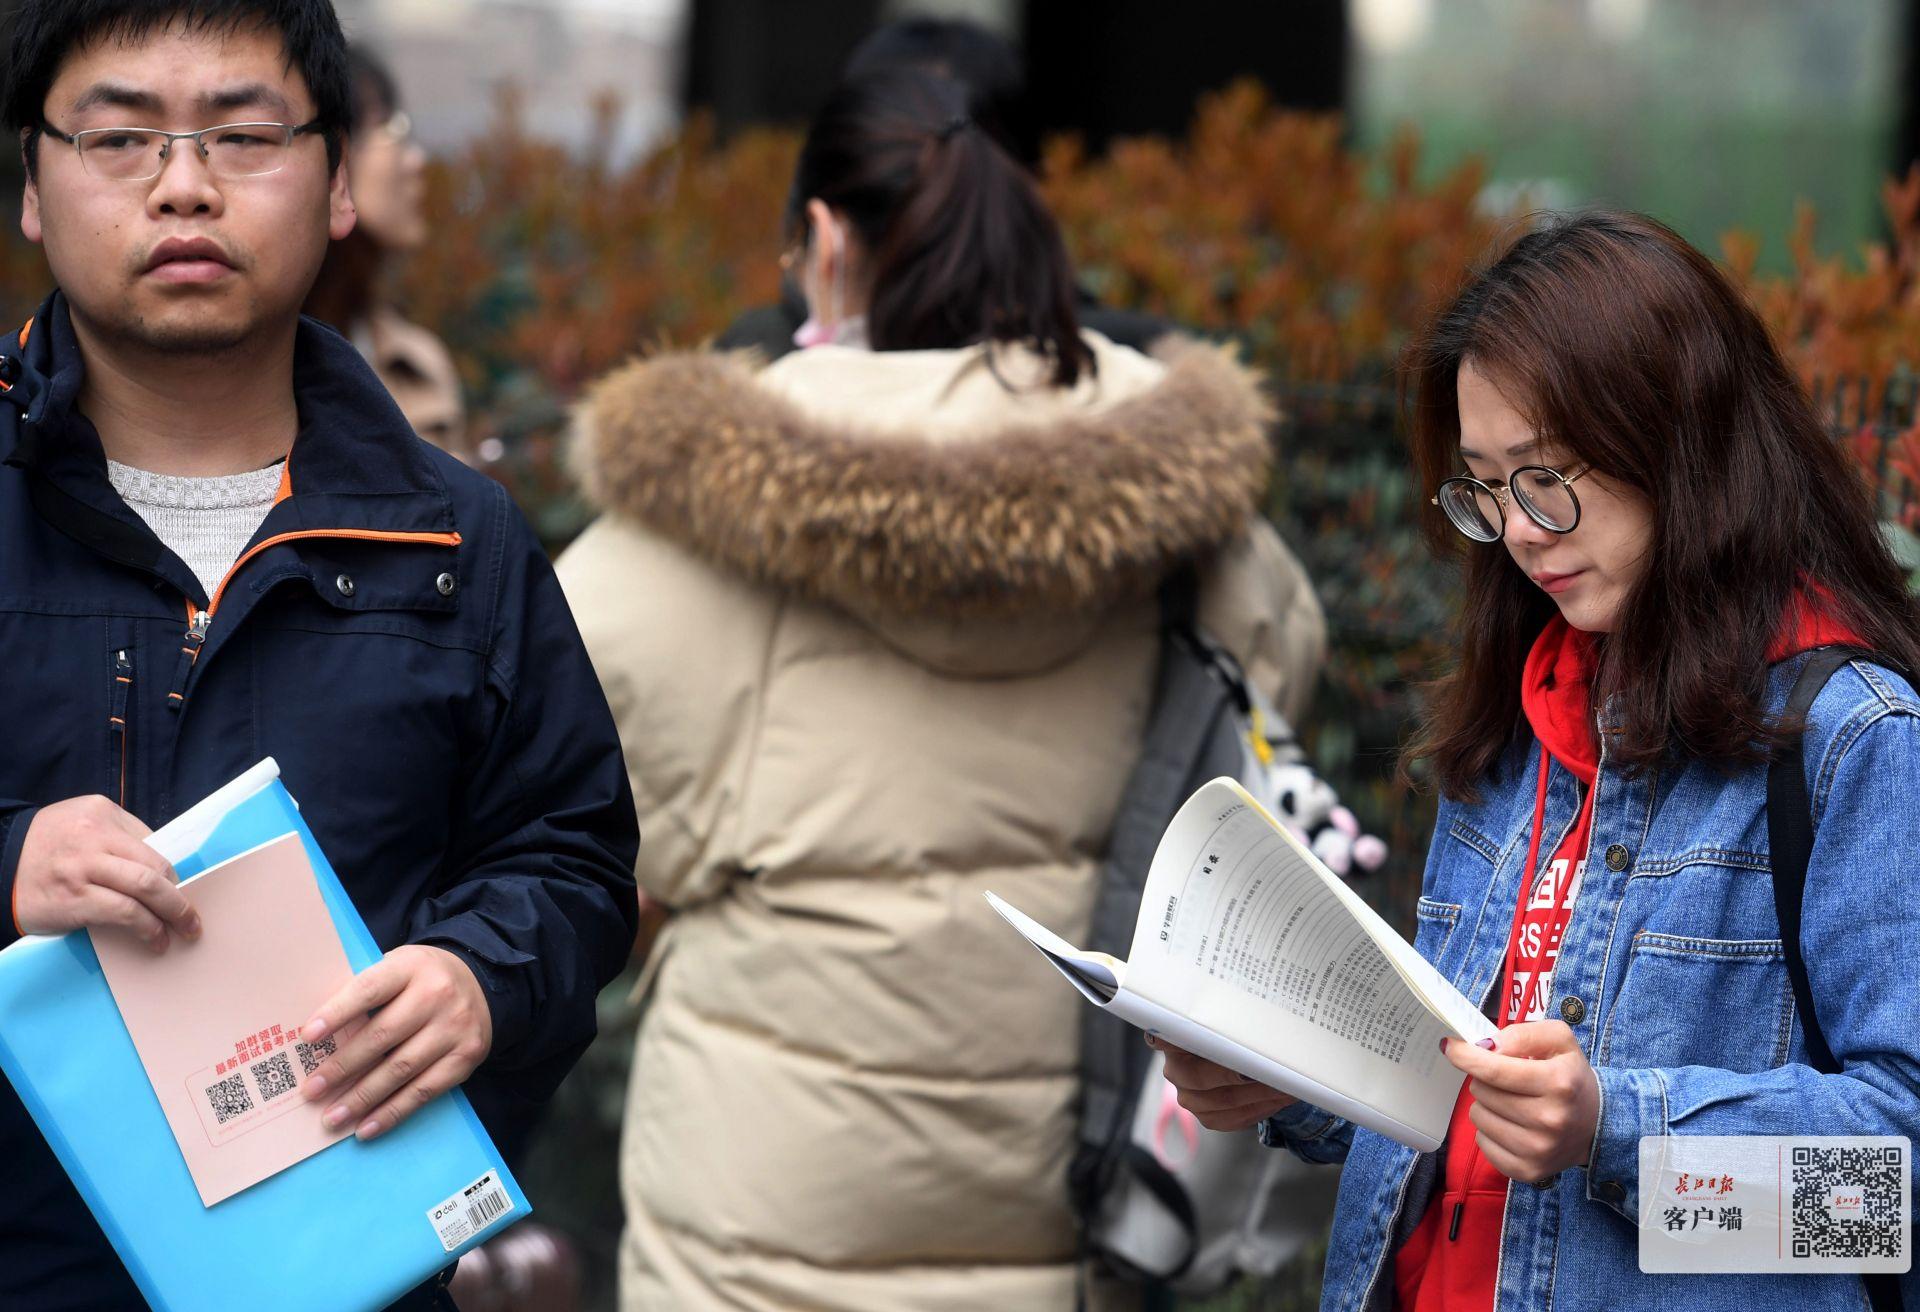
{"x": 216, "y": 1022}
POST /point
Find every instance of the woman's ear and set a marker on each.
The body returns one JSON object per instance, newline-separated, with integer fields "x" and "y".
{"x": 826, "y": 245}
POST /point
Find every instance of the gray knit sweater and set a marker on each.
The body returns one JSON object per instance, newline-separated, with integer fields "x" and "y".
{"x": 207, "y": 522}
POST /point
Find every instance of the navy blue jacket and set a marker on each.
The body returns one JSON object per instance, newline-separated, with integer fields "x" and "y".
{"x": 395, "y": 638}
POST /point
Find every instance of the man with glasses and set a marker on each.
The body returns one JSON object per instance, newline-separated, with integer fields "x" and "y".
{"x": 220, "y": 541}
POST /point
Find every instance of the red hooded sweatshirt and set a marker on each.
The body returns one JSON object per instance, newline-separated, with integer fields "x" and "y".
{"x": 1449, "y": 1262}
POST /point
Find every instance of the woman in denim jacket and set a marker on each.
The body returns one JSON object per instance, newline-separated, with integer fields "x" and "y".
{"x": 1655, "y": 529}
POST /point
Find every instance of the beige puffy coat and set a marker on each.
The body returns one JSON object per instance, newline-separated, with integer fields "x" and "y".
{"x": 879, "y": 634}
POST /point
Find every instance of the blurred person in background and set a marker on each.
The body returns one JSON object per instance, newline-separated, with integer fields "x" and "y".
{"x": 386, "y": 172}
{"x": 878, "y": 622}
{"x": 995, "y": 78}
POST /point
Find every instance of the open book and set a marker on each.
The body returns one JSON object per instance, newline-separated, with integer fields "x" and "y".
{"x": 1251, "y": 953}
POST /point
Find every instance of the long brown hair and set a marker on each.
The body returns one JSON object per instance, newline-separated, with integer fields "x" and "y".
{"x": 1630, "y": 352}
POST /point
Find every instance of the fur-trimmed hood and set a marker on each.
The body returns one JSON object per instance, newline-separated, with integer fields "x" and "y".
{"x": 905, "y": 517}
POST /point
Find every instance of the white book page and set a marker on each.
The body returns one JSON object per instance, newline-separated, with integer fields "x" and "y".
{"x": 1100, "y": 979}
{"x": 1097, "y": 975}
{"x": 1245, "y": 932}
{"x": 1426, "y": 1133}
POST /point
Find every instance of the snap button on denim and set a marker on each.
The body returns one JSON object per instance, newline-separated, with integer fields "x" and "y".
{"x": 1613, "y": 1191}
{"x": 1618, "y": 857}
{"x": 445, "y": 584}
{"x": 1547, "y": 1183}
{"x": 345, "y": 584}
{"x": 1572, "y": 1010}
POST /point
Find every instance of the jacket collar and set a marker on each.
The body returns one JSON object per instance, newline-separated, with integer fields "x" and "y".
{"x": 355, "y": 462}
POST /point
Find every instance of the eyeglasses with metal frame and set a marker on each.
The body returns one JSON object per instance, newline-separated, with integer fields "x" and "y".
{"x": 1479, "y": 510}
{"x": 231, "y": 150}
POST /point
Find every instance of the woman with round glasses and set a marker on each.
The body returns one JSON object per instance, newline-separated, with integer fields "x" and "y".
{"x": 1656, "y": 531}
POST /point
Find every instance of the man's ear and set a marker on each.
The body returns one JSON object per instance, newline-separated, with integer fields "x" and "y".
{"x": 341, "y": 216}
{"x": 30, "y": 197}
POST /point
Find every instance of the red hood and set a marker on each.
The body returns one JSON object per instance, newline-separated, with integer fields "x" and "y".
{"x": 1556, "y": 687}
{"x": 1810, "y": 623}
{"x": 1556, "y": 692}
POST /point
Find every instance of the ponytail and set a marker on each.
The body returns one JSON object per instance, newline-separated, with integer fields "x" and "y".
{"x": 962, "y": 249}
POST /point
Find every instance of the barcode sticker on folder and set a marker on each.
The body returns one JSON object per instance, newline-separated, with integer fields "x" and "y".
{"x": 472, "y": 1210}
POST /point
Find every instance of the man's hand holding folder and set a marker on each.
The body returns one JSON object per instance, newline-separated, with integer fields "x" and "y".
{"x": 429, "y": 1029}
{"x": 83, "y": 866}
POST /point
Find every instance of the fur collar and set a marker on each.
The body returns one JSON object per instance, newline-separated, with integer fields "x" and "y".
{"x": 1072, "y": 515}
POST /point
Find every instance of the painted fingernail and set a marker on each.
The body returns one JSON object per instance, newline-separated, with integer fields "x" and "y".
{"x": 315, "y": 1087}
{"x": 1443, "y": 1043}
{"x": 337, "y": 1117}
{"x": 314, "y": 1030}
{"x": 1485, "y": 1043}
{"x": 368, "y": 1129}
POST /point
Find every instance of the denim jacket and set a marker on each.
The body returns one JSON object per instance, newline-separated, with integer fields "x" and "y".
{"x": 1672, "y": 977}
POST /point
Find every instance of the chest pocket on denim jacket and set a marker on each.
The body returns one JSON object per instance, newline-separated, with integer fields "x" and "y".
{"x": 1700, "y": 1002}
{"x": 1436, "y": 923}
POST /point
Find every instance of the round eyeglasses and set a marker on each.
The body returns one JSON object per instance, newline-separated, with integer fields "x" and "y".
{"x": 1479, "y": 510}
{"x": 231, "y": 150}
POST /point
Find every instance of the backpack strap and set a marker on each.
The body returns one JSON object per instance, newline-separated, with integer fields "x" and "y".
{"x": 1182, "y": 746}
{"x": 1159, "y": 1181}
{"x": 1790, "y": 842}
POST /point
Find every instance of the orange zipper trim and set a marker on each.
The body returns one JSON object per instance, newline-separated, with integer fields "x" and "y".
{"x": 4, "y": 385}
{"x": 363, "y": 535}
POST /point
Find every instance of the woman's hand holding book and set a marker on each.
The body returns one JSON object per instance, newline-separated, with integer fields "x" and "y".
{"x": 1219, "y": 1099}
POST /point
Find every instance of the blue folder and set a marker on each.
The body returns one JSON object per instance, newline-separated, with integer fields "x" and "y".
{"x": 347, "y": 1228}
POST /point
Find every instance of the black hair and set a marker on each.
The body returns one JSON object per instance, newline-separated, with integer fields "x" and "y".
{"x": 961, "y": 247}
{"x": 987, "y": 65}
{"x": 373, "y": 96}
{"x": 45, "y": 32}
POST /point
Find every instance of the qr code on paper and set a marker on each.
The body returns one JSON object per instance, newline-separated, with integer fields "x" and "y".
{"x": 273, "y": 1077}
{"x": 1846, "y": 1202}
{"x": 229, "y": 1098}
{"x": 312, "y": 1054}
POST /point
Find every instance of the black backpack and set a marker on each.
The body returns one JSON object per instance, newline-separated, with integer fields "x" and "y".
{"x": 1194, "y": 733}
